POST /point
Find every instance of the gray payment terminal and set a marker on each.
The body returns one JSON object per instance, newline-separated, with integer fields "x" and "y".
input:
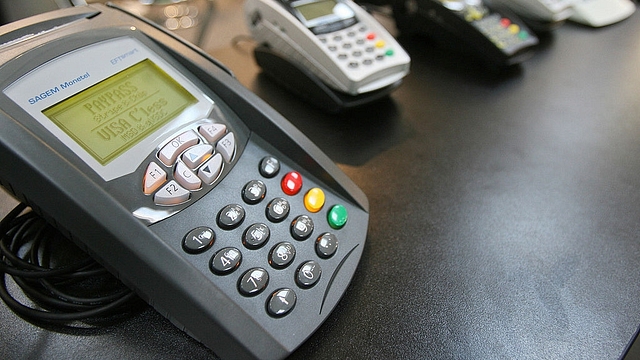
{"x": 186, "y": 186}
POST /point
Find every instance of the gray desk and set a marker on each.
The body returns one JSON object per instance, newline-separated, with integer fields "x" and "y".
{"x": 505, "y": 212}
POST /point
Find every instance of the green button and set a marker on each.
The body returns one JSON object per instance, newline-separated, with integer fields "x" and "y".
{"x": 337, "y": 216}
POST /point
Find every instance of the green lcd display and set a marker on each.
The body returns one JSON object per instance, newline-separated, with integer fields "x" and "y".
{"x": 115, "y": 114}
{"x": 316, "y": 9}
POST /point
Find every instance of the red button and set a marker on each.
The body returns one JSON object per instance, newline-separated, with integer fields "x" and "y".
{"x": 505, "y": 22}
{"x": 291, "y": 183}
{"x": 371, "y": 36}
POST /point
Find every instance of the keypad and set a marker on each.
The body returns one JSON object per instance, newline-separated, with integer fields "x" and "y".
{"x": 308, "y": 244}
{"x": 356, "y": 46}
{"x": 498, "y": 29}
{"x": 188, "y": 163}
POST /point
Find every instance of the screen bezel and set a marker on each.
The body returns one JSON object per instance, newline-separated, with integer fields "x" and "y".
{"x": 101, "y": 60}
{"x": 320, "y": 20}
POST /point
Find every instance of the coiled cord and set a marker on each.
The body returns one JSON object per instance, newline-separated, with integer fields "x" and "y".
{"x": 64, "y": 283}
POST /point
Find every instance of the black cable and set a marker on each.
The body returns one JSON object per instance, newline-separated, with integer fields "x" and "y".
{"x": 60, "y": 292}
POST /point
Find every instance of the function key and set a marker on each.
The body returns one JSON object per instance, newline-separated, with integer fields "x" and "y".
{"x": 198, "y": 240}
{"x": 196, "y": 155}
{"x": 169, "y": 153}
{"x": 171, "y": 194}
{"x": 282, "y": 254}
{"x": 254, "y": 191}
{"x": 154, "y": 177}
{"x": 211, "y": 169}
{"x": 186, "y": 177}
{"x": 308, "y": 274}
{"x": 227, "y": 146}
{"x": 326, "y": 245}
{"x": 277, "y": 210}
{"x": 337, "y": 216}
{"x": 212, "y": 132}
{"x": 301, "y": 227}
{"x": 281, "y": 302}
{"x": 253, "y": 281}
{"x": 255, "y": 236}
{"x": 231, "y": 216}
{"x": 314, "y": 200}
{"x": 291, "y": 183}
{"x": 225, "y": 261}
{"x": 269, "y": 166}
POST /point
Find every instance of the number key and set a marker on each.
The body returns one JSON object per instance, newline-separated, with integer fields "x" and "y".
{"x": 253, "y": 281}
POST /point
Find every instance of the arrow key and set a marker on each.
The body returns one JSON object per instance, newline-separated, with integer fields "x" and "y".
{"x": 211, "y": 169}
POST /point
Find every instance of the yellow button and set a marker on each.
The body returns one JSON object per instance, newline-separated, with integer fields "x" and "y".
{"x": 514, "y": 29}
{"x": 314, "y": 200}
{"x": 380, "y": 43}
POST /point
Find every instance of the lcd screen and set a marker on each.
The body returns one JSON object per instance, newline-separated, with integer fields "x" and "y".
{"x": 316, "y": 9}
{"x": 115, "y": 114}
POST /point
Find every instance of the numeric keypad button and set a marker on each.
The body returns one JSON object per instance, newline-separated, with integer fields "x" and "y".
{"x": 301, "y": 227}
{"x": 231, "y": 216}
{"x": 198, "y": 240}
{"x": 277, "y": 210}
{"x": 254, "y": 191}
{"x": 253, "y": 281}
{"x": 225, "y": 260}
{"x": 282, "y": 254}
{"x": 308, "y": 274}
{"x": 281, "y": 302}
{"x": 256, "y": 236}
{"x": 269, "y": 166}
{"x": 326, "y": 245}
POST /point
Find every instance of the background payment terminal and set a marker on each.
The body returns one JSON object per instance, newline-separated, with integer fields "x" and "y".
{"x": 156, "y": 161}
{"x": 497, "y": 38}
{"x": 331, "y": 52}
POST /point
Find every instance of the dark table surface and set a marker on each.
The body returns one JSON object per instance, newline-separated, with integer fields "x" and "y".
{"x": 505, "y": 212}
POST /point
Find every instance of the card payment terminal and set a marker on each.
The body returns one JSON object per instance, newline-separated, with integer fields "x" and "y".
{"x": 330, "y": 52}
{"x": 155, "y": 160}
